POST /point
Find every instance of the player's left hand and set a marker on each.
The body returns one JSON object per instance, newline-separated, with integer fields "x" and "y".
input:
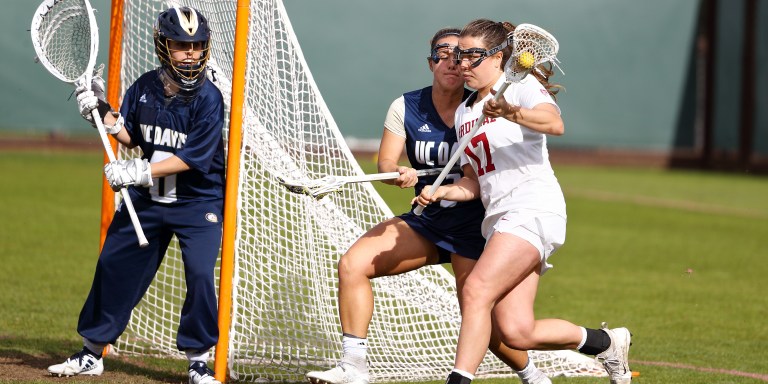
{"x": 122, "y": 173}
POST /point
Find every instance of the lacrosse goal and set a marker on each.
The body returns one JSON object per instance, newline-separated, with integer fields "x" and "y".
{"x": 279, "y": 316}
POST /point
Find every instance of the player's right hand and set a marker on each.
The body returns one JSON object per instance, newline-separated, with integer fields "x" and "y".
{"x": 123, "y": 173}
{"x": 424, "y": 198}
{"x": 86, "y": 102}
{"x": 407, "y": 178}
{"x": 93, "y": 98}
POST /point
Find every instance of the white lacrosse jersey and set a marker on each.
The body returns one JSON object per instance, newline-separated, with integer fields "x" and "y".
{"x": 511, "y": 161}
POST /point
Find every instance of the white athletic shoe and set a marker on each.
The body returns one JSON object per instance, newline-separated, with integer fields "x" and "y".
{"x": 615, "y": 359}
{"x": 537, "y": 378}
{"x": 344, "y": 373}
{"x": 81, "y": 363}
{"x": 199, "y": 373}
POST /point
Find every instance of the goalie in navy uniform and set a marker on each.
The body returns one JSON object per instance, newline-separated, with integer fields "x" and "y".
{"x": 175, "y": 114}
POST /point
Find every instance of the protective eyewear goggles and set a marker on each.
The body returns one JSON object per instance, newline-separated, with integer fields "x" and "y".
{"x": 442, "y": 52}
{"x": 475, "y": 56}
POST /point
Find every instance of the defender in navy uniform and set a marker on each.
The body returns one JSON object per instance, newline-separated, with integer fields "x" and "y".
{"x": 175, "y": 115}
{"x": 422, "y": 122}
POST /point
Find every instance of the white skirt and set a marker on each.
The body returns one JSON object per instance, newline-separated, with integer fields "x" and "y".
{"x": 544, "y": 230}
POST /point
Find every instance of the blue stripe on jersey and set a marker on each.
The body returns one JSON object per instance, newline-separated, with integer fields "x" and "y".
{"x": 190, "y": 130}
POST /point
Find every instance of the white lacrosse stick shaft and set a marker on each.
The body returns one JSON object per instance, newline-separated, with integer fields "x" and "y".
{"x": 389, "y": 175}
{"x": 462, "y": 144}
{"x": 52, "y": 17}
{"x": 123, "y": 191}
{"x": 329, "y": 184}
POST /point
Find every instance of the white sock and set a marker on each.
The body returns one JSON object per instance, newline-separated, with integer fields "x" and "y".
{"x": 354, "y": 346}
{"x": 526, "y": 372}
{"x": 583, "y": 338}
{"x": 197, "y": 356}
{"x": 96, "y": 348}
{"x": 464, "y": 373}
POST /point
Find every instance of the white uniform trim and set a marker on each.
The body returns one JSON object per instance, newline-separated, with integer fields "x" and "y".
{"x": 395, "y": 120}
{"x": 189, "y": 24}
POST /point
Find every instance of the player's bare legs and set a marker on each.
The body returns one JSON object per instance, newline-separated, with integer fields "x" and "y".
{"x": 514, "y": 358}
{"x": 389, "y": 248}
{"x": 494, "y": 274}
{"x": 392, "y": 248}
{"x": 511, "y": 265}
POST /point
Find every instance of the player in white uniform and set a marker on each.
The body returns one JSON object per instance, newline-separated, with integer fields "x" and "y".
{"x": 419, "y": 123}
{"x": 506, "y": 165}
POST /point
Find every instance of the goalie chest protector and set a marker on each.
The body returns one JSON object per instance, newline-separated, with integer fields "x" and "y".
{"x": 191, "y": 130}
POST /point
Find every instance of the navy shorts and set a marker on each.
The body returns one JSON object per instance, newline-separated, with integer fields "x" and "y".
{"x": 453, "y": 230}
{"x": 124, "y": 271}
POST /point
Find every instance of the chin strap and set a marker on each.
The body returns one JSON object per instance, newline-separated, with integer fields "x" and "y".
{"x": 172, "y": 90}
{"x": 168, "y": 86}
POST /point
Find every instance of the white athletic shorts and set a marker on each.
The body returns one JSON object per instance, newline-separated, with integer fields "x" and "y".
{"x": 544, "y": 230}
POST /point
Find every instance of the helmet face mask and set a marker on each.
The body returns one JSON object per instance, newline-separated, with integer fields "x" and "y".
{"x": 180, "y": 34}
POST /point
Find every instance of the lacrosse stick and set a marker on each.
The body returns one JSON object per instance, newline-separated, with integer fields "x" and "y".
{"x": 531, "y": 46}
{"x": 66, "y": 40}
{"x": 329, "y": 184}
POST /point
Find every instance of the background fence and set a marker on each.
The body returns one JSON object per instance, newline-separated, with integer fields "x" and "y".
{"x": 674, "y": 79}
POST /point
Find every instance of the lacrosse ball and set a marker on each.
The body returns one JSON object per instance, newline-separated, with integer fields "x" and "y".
{"x": 526, "y": 60}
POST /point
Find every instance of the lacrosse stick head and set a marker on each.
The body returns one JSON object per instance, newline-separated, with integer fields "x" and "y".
{"x": 531, "y": 46}
{"x": 66, "y": 39}
{"x": 178, "y": 29}
{"x": 315, "y": 188}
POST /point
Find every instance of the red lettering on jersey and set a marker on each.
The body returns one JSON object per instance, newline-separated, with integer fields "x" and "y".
{"x": 465, "y": 128}
{"x": 477, "y": 141}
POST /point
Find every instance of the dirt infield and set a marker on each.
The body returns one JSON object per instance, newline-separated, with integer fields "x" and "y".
{"x": 50, "y": 141}
{"x": 557, "y": 155}
{"x": 678, "y": 159}
{"x": 23, "y": 368}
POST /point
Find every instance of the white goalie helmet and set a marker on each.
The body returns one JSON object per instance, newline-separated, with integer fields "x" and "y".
{"x": 187, "y": 25}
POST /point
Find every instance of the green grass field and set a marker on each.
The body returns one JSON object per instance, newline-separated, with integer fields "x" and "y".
{"x": 678, "y": 257}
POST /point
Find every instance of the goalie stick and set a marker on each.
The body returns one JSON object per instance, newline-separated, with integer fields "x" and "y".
{"x": 531, "y": 46}
{"x": 329, "y": 184}
{"x": 66, "y": 40}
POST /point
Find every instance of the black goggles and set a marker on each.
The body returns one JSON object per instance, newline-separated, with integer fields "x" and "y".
{"x": 475, "y": 56}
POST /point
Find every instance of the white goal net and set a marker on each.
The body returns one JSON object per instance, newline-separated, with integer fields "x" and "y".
{"x": 284, "y": 310}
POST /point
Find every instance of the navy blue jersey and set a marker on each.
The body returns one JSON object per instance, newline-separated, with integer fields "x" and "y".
{"x": 163, "y": 127}
{"x": 453, "y": 227}
{"x": 429, "y": 142}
